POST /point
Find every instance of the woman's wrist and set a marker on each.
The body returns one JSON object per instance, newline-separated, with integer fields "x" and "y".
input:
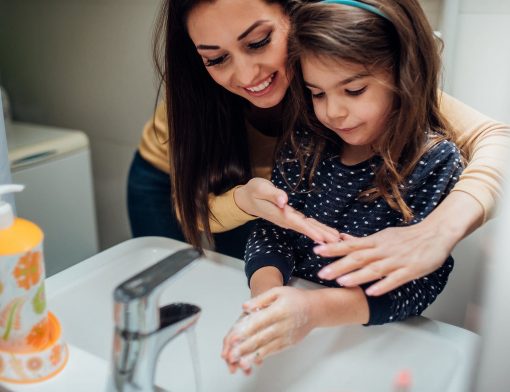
{"x": 454, "y": 218}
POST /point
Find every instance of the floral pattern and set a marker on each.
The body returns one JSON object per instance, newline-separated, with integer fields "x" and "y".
{"x": 28, "y": 270}
{"x": 34, "y": 364}
{"x": 39, "y": 335}
{"x": 39, "y": 301}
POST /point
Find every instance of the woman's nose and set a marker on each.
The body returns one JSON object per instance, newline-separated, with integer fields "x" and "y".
{"x": 247, "y": 72}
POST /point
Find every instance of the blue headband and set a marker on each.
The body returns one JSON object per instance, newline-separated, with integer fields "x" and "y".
{"x": 359, "y": 4}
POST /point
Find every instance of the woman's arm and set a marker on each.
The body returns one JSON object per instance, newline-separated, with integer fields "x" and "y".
{"x": 235, "y": 207}
{"x": 486, "y": 145}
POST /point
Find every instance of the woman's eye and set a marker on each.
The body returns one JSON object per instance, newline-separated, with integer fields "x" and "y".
{"x": 356, "y": 92}
{"x": 318, "y": 95}
{"x": 261, "y": 43}
{"x": 215, "y": 61}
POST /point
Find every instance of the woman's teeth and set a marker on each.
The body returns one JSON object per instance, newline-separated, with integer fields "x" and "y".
{"x": 262, "y": 85}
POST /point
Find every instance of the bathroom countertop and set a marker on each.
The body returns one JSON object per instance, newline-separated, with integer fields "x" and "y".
{"x": 353, "y": 358}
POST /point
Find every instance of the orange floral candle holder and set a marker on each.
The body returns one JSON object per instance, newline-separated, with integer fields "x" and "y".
{"x": 38, "y": 365}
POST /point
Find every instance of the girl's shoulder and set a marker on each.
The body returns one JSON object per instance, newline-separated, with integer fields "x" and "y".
{"x": 441, "y": 156}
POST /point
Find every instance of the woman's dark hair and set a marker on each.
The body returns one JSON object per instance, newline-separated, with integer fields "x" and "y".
{"x": 404, "y": 46}
{"x": 207, "y": 134}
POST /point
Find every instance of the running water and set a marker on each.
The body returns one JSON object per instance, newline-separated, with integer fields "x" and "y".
{"x": 191, "y": 334}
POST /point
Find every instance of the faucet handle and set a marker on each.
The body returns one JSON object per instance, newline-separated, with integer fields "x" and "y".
{"x": 136, "y": 299}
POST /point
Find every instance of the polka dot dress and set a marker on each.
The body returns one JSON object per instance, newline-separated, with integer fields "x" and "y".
{"x": 333, "y": 200}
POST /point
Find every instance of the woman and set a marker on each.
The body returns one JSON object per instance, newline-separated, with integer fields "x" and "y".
{"x": 225, "y": 89}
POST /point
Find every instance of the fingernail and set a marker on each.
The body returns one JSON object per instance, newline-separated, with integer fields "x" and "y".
{"x": 281, "y": 201}
{"x": 343, "y": 280}
{"x": 319, "y": 248}
{"x": 324, "y": 273}
{"x": 372, "y": 291}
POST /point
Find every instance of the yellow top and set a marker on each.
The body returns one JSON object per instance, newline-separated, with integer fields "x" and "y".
{"x": 21, "y": 237}
{"x": 485, "y": 143}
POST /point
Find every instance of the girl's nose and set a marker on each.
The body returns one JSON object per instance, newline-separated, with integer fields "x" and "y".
{"x": 336, "y": 109}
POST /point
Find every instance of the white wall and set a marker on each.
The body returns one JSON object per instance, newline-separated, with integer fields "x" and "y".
{"x": 5, "y": 174}
{"x": 479, "y": 72}
{"x": 84, "y": 64}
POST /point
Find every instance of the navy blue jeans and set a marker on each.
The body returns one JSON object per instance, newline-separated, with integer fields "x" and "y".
{"x": 151, "y": 212}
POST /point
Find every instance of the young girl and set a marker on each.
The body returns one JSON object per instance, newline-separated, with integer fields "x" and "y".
{"x": 368, "y": 149}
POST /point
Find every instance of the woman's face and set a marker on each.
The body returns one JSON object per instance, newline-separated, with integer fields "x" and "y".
{"x": 244, "y": 47}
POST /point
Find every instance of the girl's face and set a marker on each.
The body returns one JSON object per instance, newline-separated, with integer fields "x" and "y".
{"x": 349, "y": 101}
{"x": 244, "y": 47}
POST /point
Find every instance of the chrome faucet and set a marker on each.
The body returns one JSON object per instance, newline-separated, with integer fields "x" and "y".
{"x": 142, "y": 328}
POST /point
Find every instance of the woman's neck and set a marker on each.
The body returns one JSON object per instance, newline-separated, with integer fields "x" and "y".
{"x": 267, "y": 121}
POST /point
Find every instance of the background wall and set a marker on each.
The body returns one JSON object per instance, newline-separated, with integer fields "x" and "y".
{"x": 479, "y": 68}
{"x": 87, "y": 65}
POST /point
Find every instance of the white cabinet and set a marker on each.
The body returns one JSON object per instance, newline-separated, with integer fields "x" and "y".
{"x": 54, "y": 165}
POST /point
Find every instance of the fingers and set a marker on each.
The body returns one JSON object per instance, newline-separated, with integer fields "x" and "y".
{"x": 393, "y": 280}
{"x": 261, "y": 301}
{"x": 266, "y": 190}
{"x": 253, "y": 343}
{"x": 316, "y": 231}
{"x": 258, "y": 355}
{"x": 346, "y": 246}
{"x": 348, "y": 264}
{"x": 368, "y": 273}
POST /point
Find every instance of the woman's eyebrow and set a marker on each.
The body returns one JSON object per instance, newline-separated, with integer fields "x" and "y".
{"x": 251, "y": 28}
{"x": 241, "y": 36}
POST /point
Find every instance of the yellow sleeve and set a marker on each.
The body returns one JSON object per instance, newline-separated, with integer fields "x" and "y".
{"x": 486, "y": 145}
{"x": 154, "y": 143}
{"x": 225, "y": 210}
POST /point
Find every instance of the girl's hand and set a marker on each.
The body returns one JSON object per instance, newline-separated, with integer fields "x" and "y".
{"x": 259, "y": 197}
{"x": 276, "y": 319}
{"x": 394, "y": 255}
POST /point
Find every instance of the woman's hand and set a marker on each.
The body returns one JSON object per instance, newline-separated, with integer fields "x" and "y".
{"x": 394, "y": 255}
{"x": 259, "y": 197}
{"x": 401, "y": 254}
{"x": 274, "y": 320}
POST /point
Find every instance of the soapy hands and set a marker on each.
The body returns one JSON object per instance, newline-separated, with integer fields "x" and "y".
{"x": 259, "y": 197}
{"x": 272, "y": 321}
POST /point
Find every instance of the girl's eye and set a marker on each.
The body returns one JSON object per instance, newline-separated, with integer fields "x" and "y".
{"x": 318, "y": 95}
{"x": 355, "y": 93}
{"x": 261, "y": 43}
{"x": 216, "y": 61}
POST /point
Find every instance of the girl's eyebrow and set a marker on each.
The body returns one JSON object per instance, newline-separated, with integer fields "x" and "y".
{"x": 241, "y": 36}
{"x": 342, "y": 82}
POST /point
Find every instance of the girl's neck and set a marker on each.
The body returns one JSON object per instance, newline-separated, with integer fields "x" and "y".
{"x": 267, "y": 121}
{"x": 352, "y": 155}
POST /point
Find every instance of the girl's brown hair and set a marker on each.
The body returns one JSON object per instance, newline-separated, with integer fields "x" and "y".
{"x": 402, "y": 45}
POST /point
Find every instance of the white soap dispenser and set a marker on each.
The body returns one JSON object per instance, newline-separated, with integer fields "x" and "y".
{"x": 31, "y": 346}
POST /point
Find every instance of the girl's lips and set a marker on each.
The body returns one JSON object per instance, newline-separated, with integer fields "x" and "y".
{"x": 346, "y": 129}
{"x": 266, "y": 90}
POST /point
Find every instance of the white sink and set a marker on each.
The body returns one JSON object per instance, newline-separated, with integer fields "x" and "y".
{"x": 354, "y": 358}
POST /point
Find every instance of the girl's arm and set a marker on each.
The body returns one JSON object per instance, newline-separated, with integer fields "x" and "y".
{"x": 424, "y": 246}
{"x": 283, "y": 316}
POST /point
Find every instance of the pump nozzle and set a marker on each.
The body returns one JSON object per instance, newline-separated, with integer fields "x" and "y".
{"x": 6, "y": 214}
